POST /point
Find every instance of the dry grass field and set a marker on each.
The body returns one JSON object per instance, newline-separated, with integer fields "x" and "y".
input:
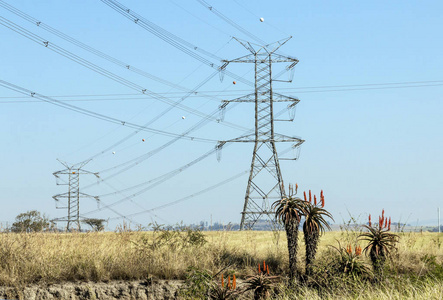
{"x": 415, "y": 271}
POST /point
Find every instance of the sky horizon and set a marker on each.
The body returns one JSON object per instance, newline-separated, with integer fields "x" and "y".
{"x": 370, "y": 112}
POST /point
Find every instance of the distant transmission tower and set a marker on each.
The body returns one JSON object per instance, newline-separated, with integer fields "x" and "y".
{"x": 73, "y": 195}
{"x": 265, "y": 178}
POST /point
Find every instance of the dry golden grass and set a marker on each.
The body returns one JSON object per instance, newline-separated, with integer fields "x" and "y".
{"x": 56, "y": 257}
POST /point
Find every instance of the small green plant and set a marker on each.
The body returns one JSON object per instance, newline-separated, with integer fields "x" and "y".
{"x": 192, "y": 236}
{"x": 380, "y": 243}
{"x": 175, "y": 238}
{"x": 197, "y": 284}
{"x": 435, "y": 269}
{"x": 350, "y": 262}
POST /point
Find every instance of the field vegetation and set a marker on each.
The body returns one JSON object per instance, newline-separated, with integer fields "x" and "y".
{"x": 413, "y": 270}
{"x": 366, "y": 261}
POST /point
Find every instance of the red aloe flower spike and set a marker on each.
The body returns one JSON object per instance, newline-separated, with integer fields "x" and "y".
{"x": 349, "y": 249}
{"x": 259, "y": 271}
{"x": 321, "y": 194}
{"x": 264, "y": 267}
{"x": 304, "y": 194}
{"x": 389, "y": 224}
{"x": 234, "y": 282}
{"x": 380, "y": 222}
{"x": 229, "y": 282}
{"x": 370, "y": 224}
{"x": 267, "y": 269}
{"x": 222, "y": 281}
{"x": 315, "y": 200}
{"x": 296, "y": 188}
{"x": 309, "y": 195}
{"x": 383, "y": 213}
{"x": 322, "y": 201}
{"x": 386, "y": 222}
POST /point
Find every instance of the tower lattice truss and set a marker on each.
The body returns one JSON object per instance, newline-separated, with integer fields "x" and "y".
{"x": 265, "y": 183}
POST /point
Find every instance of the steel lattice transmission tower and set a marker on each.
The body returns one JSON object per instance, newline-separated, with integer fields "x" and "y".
{"x": 265, "y": 179}
{"x": 73, "y": 195}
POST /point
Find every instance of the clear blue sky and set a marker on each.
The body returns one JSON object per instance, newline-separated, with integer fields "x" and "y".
{"x": 368, "y": 147}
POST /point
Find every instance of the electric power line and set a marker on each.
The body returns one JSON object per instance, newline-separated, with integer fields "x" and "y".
{"x": 383, "y": 86}
{"x": 171, "y": 39}
{"x": 195, "y": 194}
{"x": 20, "y": 30}
{"x": 230, "y": 22}
{"x": 154, "y": 182}
{"x": 99, "y": 116}
{"x": 211, "y": 188}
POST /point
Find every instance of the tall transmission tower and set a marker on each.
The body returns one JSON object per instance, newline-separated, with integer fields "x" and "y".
{"x": 73, "y": 195}
{"x": 265, "y": 178}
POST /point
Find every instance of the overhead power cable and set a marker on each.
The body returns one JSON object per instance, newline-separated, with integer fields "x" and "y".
{"x": 89, "y": 113}
{"x": 89, "y": 48}
{"x": 170, "y": 38}
{"x": 136, "y": 18}
{"x": 379, "y": 86}
{"x": 156, "y": 181}
{"x": 109, "y": 58}
{"x": 200, "y": 124}
{"x": 41, "y": 41}
{"x": 230, "y": 22}
{"x": 146, "y": 124}
{"x": 208, "y": 189}
{"x": 138, "y": 160}
{"x": 197, "y": 17}
{"x": 230, "y": 93}
{"x": 121, "y": 215}
{"x": 163, "y": 178}
{"x": 135, "y": 161}
{"x": 104, "y": 72}
{"x": 211, "y": 188}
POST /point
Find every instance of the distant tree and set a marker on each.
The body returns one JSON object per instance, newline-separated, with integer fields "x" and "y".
{"x": 96, "y": 224}
{"x": 31, "y": 221}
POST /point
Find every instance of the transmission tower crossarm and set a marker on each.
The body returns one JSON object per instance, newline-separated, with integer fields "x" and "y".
{"x": 282, "y": 98}
{"x": 259, "y": 57}
{"x": 246, "y": 98}
{"x": 75, "y": 171}
{"x": 276, "y": 98}
{"x": 284, "y": 138}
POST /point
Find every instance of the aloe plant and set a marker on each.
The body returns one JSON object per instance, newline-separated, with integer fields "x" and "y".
{"x": 262, "y": 283}
{"x": 289, "y": 210}
{"x": 314, "y": 226}
{"x": 380, "y": 243}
